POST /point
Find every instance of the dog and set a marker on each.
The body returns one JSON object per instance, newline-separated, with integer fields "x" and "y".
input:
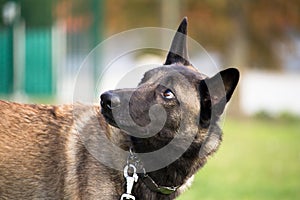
{"x": 163, "y": 131}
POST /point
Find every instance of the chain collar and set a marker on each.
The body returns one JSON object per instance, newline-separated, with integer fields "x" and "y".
{"x": 133, "y": 160}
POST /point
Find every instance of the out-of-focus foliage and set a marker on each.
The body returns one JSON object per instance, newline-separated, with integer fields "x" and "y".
{"x": 217, "y": 25}
{"x": 123, "y": 15}
{"x": 260, "y": 23}
{"x": 255, "y": 27}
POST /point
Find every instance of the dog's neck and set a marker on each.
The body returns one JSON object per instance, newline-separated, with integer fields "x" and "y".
{"x": 178, "y": 172}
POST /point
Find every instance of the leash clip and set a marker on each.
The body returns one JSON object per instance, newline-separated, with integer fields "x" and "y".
{"x": 130, "y": 180}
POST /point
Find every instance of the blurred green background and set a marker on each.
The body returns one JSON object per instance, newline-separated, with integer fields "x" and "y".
{"x": 258, "y": 159}
{"x": 43, "y": 44}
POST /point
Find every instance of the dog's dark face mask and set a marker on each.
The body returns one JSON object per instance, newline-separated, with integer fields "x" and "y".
{"x": 172, "y": 99}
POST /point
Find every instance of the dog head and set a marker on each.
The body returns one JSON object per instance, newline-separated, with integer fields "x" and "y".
{"x": 172, "y": 99}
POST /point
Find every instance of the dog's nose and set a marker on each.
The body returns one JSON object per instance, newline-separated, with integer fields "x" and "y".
{"x": 110, "y": 100}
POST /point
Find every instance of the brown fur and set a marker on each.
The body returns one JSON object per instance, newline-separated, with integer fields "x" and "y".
{"x": 35, "y": 161}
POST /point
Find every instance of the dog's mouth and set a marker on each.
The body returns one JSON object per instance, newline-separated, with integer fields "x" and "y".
{"x": 107, "y": 114}
{"x": 120, "y": 122}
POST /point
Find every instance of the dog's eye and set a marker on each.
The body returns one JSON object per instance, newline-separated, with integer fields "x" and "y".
{"x": 168, "y": 94}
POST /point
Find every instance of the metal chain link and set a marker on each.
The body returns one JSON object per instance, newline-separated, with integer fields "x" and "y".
{"x": 134, "y": 160}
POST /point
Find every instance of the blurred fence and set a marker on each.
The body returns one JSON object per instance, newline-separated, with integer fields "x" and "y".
{"x": 6, "y": 61}
{"x": 41, "y": 62}
{"x": 38, "y": 62}
{"x": 37, "y": 70}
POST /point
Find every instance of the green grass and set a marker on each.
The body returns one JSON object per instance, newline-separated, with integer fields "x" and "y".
{"x": 257, "y": 160}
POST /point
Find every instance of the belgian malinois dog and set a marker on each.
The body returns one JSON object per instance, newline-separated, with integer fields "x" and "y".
{"x": 75, "y": 151}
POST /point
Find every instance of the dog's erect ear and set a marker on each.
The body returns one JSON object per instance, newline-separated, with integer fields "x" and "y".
{"x": 215, "y": 92}
{"x": 178, "y": 51}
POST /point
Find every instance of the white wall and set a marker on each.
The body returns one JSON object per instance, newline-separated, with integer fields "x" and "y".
{"x": 271, "y": 92}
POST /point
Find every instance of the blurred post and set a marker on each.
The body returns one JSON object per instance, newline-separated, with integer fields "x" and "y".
{"x": 19, "y": 58}
{"x": 237, "y": 52}
{"x": 97, "y": 32}
{"x": 11, "y": 15}
{"x": 59, "y": 54}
